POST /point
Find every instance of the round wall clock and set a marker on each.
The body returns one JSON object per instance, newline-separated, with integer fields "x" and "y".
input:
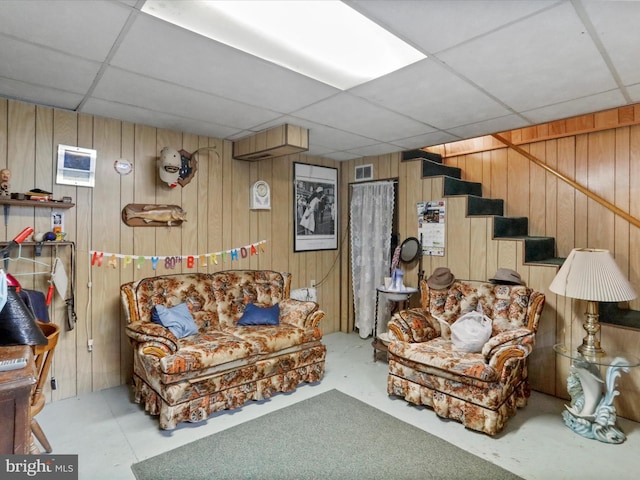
{"x": 123, "y": 166}
{"x": 260, "y": 196}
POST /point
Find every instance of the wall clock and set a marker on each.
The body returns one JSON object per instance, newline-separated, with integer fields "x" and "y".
{"x": 260, "y": 196}
{"x": 123, "y": 166}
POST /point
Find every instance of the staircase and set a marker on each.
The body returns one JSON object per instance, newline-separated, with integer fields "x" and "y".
{"x": 537, "y": 250}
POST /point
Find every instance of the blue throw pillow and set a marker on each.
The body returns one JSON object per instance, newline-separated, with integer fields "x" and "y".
{"x": 177, "y": 319}
{"x": 255, "y": 315}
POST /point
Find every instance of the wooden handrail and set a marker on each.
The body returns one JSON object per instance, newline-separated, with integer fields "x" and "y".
{"x": 608, "y": 205}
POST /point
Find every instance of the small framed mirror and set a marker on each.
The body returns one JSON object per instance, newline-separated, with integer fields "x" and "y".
{"x": 410, "y": 250}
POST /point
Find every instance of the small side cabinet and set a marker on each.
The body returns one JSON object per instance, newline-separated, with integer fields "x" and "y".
{"x": 15, "y": 400}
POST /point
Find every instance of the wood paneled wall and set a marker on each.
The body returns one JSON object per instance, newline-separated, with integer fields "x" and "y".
{"x": 217, "y": 202}
{"x": 218, "y": 218}
{"x": 607, "y": 161}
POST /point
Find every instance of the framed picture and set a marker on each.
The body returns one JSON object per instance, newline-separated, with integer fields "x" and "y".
{"x": 76, "y": 166}
{"x": 315, "y": 212}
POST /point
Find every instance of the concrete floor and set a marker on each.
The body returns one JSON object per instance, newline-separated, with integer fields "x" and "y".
{"x": 109, "y": 432}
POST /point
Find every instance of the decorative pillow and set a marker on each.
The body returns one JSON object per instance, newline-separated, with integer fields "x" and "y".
{"x": 255, "y": 315}
{"x": 177, "y": 319}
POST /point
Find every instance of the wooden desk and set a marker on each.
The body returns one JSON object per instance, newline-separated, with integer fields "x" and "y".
{"x": 15, "y": 400}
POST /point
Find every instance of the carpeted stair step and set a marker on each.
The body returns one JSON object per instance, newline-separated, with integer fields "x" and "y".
{"x": 434, "y": 169}
{"x": 455, "y": 186}
{"x": 484, "y": 206}
{"x": 510, "y": 227}
{"x": 414, "y": 154}
{"x": 537, "y": 249}
{"x": 549, "y": 261}
{"x": 610, "y": 312}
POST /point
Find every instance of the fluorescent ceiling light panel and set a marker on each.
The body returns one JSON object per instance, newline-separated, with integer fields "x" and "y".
{"x": 326, "y": 40}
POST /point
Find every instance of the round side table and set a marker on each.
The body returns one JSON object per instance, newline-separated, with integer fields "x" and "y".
{"x": 591, "y": 413}
{"x": 399, "y": 297}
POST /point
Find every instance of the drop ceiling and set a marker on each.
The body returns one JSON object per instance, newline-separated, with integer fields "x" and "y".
{"x": 491, "y": 66}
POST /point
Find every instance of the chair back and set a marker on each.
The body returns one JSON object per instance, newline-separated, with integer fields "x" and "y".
{"x": 43, "y": 356}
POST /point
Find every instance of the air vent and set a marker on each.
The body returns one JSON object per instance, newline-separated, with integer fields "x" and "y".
{"x": 364, "y": 172}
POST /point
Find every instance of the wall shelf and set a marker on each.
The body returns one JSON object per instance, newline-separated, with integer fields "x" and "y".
{"x": 7, "y": 202}
{"x": 35, "y": 203}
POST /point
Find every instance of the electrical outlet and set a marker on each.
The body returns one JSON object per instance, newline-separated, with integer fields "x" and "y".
{"x": 313, "y": 283}
{"x": 54, "y": 383}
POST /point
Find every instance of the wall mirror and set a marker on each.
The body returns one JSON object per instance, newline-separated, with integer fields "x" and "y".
{"x": 409, "y": 250}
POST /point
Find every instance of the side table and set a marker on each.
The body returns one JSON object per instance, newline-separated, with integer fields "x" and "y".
{"x": 591, "y": 413}
{"x": 15, "y": 401}
{"x": 396, "y": 296}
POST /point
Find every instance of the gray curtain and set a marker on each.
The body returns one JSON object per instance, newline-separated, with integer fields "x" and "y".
{"x": 371, "y": 219}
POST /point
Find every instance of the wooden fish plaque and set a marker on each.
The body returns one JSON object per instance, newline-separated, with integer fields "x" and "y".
{"x": 151, "y": 215}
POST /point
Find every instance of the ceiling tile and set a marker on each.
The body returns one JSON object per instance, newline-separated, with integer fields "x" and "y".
{"x": 94, "y": 26}
{"x": 545, "y": 59}
{"x": 501, "y": 124}
{"x": 128, "y": 88}
{"x": 426, "y": 140}
{"x": 39, "y": 94}
{"x": 594, "y": 103}
{"x": 352, "y": 114}
{"x": 439, "y": 25}
{"x": 428, "y": 92}
{"x": 616, "y": 25}
{"x": 40, "y": 66}
{"x": 155, "y": 119}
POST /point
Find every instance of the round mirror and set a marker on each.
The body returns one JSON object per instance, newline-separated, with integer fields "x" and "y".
{"x": 409, "y": 250}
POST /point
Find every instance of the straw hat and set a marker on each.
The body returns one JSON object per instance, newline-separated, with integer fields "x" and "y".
{"x": 440, "y": 278}
{"x": 507, "y": 276}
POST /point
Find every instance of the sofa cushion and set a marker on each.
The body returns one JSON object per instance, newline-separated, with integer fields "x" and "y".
{"x": 177, "y": 319}
{"x": 257, "y": 315}
{"x": 440, "y": 355}
{"x": 269, "y": 339}
{"x": 205, "y": 350}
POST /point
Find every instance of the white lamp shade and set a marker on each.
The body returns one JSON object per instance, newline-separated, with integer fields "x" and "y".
{"x": 591, "y": 274}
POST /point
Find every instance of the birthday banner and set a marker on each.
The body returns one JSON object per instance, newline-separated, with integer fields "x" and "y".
{"x": 99, "y": 258}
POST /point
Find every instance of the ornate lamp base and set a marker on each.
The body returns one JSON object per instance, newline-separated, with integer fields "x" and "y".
{"x": 590, "y": 344}
{"x": 592, "y": 413}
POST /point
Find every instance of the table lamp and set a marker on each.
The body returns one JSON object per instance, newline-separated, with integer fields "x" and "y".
{"x": 592, "y": 275}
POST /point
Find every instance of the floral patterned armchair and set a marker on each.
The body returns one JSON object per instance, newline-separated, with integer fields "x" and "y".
{"x": 481, "y": 390}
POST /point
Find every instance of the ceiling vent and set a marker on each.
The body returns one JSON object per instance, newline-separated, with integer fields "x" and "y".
{"x": 364, "y": 172}
{"x": 274, "y": 142}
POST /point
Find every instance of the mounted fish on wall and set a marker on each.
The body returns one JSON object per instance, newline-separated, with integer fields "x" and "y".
{"x": 143, "y": 215}
{"x": 177, "y": 167}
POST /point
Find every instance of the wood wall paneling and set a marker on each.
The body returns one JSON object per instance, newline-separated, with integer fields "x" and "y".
{"x": 217, "y": 203}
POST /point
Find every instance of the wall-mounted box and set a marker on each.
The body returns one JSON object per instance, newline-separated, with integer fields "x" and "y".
{"x": 273, "y": 142}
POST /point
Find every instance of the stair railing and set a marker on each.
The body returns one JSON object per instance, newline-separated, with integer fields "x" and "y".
{"x": 608, "y": 205}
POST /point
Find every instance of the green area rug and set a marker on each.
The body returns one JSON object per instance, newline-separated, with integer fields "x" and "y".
{"x": 330, "y": 436}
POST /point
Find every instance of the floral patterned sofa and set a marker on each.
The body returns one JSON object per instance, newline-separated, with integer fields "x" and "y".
{"x": 481, "y": 390}
{"x": 223, "y": 365}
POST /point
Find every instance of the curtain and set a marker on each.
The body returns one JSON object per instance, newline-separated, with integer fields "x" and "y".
{"x": 372, "y": 206}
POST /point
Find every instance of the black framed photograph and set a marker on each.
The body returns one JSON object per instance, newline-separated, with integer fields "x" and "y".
{"x": 315, "y": 213}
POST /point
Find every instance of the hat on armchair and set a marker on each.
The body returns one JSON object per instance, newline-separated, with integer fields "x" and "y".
{"x": 506, "y": 276}
{"x": 441, "y": 278}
